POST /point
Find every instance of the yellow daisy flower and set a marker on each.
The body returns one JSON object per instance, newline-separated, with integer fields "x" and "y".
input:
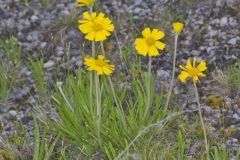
{"x": 150, "y": 43}
{"x": 96, "y": 27}
{"x": 178, "y": 27}
{"x": 85, "y": 2}
{"x": 100, "y": 65}
{"x": 192, "y": 71}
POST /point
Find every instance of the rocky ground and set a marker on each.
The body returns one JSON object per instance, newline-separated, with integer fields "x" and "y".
{"x": 212, "y": 32}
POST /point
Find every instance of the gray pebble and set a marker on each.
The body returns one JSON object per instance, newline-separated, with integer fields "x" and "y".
{"x": 49, "y": 64}
{"x": 34, "y": 18}
{"x": 60, "y": 51}
{"x": 233, "y": 41}
{"x": 224, "y": 21}
{"x": 12, "y": 113}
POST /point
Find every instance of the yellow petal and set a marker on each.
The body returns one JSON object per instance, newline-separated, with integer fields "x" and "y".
{"x": 101, "y": 57}
{"x": 146, "y": 32}
{"x": 107, "y": 70}
{"x": 202, "y": 75}
{"x": 90, "y": 36}
{"x": 83, "y": 21}
{"x": 106, "y": 33}
{"x": 100, "y": 36}
{"x": 99, "y": 70}
{"x": 183, "y": 76}
{"x": 178, "y": 27}
{"x": 160, "y": 45}
{"x": 109, "y": 27}
{"x": 152, "y": 51}
{"x": 202, "y": 66}
{"x": 107, "y": 21}
{"x": 85, "y": 2}
{"x": 86, "y": 15}
{"x": 85, "y": 28}
{"x": 88, "y": 61}
{"x": 157, "y": 34}
{"x": 100, "y": 16}
{"x": 93, "y": 15}
{"x": 195, "y": 78}
{"x": 189, "y": 65}
{"x": 183, "y": 68}
{"x": 194, "y": 62}
{"x": 141, "y": 46}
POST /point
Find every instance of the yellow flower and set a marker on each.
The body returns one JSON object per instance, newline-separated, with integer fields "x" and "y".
{"x": 85, "y": 2}
{"x": 178, "y": 27}
{"x": 150, "y": 43}
{"x": 192, "y": 71}
{"x": 96, "y": 27}
{"x": 100, "y": 65}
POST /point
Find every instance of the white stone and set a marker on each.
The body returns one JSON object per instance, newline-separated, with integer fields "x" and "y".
{"x": 233, "y": 41}
{"x": 49, "y": 64}
{"x": 224, "y": 21}
{"x": 12, "y": 113}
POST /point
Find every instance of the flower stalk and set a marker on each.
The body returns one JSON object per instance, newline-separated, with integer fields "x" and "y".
{"x": 99, "y": 108}
{"x": 92, "y": 75}
{"x": 201, "y": 119}
{"x": 91, "y": 8}
{"x": 148, "y": 86}
{"x": 102, "y": 48}
{"x": 109, "y": 79}
{"x": 173, "y": 74}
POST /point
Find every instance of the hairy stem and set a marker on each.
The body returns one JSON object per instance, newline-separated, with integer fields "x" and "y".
{"x": 109, "y": 79}
{"x": 148, "y": 86}
{"x": 102, "y": 48}
{"x": 91, "y": 76}
{"x": 99, "y": 109}
{"x": 173, "y": 74}
{"x": 201, "y": 119}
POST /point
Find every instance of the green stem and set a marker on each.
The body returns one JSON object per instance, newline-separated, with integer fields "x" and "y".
{"x": 148, "y": 87}
{"x": 93, "y": 49}
{"x": 201, "y": 119}
{"x": 68, "y": 59}
{"x": 65, "y": 99}
{"x": 91, "y": 8}
{"x": 102, "y": 48}
{"x": 99, "y": 110}
{"x": 109, "y": 79}
{"x": 92, "y": 75}
{"x": 173, "y": 74}
{"x": 113, "y": 92}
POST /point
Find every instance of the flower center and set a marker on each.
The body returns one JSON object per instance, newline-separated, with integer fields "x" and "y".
{"x": 150, "y": 41}
{"x": 193, "y": 71}
{"x": 97, "y": 26}
{"x": 100, "y": 62}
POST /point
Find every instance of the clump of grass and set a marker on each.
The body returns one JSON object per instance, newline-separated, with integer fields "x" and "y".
{"x": 6, "y": 154}
{"x": 219, "y": 153}
{"x": 181, "y": 146}
{"x": 43, "y": 148}
{"x": 5, "y": 82}
{"x": 18, "y": 147}
{"x": 120, "y": 123}
{"x": 37, "y": 69}
{"x": 234, "y": 76}
{"x": 12, "y": 51}
{"x": 44, "y": 4}
{"x": 26, "y": 2}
